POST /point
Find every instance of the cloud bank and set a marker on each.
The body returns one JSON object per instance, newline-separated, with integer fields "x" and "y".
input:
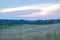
{"x": 47, "y": 10}
{"x": 44, "y": 7}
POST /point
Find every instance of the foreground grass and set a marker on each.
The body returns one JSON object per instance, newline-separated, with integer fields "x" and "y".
{"x": 30, "y": 37}
{"x": 31, "y": 32}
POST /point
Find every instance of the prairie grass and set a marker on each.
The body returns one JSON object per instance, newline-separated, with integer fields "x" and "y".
{"x": 31, "y": 32}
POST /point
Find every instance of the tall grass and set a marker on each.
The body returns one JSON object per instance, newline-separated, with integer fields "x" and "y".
{"x": 48, "y": 36}
{"x": 54, "y": 35}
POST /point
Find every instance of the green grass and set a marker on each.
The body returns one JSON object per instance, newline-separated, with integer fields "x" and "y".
{"x": 30, "y": 32}
{"x": 28, "y": 37}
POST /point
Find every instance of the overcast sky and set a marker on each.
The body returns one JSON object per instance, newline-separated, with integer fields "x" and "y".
{"x": 29, "y": 9}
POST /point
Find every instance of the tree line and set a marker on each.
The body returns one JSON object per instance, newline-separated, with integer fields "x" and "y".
{"x": 21, "y": 21}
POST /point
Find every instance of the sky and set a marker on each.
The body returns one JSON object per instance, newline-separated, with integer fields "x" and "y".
{"x": 29, "y": 9}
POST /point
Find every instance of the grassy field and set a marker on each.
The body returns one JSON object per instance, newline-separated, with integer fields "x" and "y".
{"x": 30, "y": 32}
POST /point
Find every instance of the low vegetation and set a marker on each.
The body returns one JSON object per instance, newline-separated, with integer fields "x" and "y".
{"x": 6, "y": 22}
{"x": 31, "y": 32}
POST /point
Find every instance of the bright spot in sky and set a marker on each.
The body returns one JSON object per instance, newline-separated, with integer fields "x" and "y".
{"x": 45, "y": 11}
{"x": 43, "y": 14}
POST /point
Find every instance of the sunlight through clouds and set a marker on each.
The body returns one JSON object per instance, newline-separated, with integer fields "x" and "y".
{"x": 44, "y": 7}
{"x": 46, "y": 10}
